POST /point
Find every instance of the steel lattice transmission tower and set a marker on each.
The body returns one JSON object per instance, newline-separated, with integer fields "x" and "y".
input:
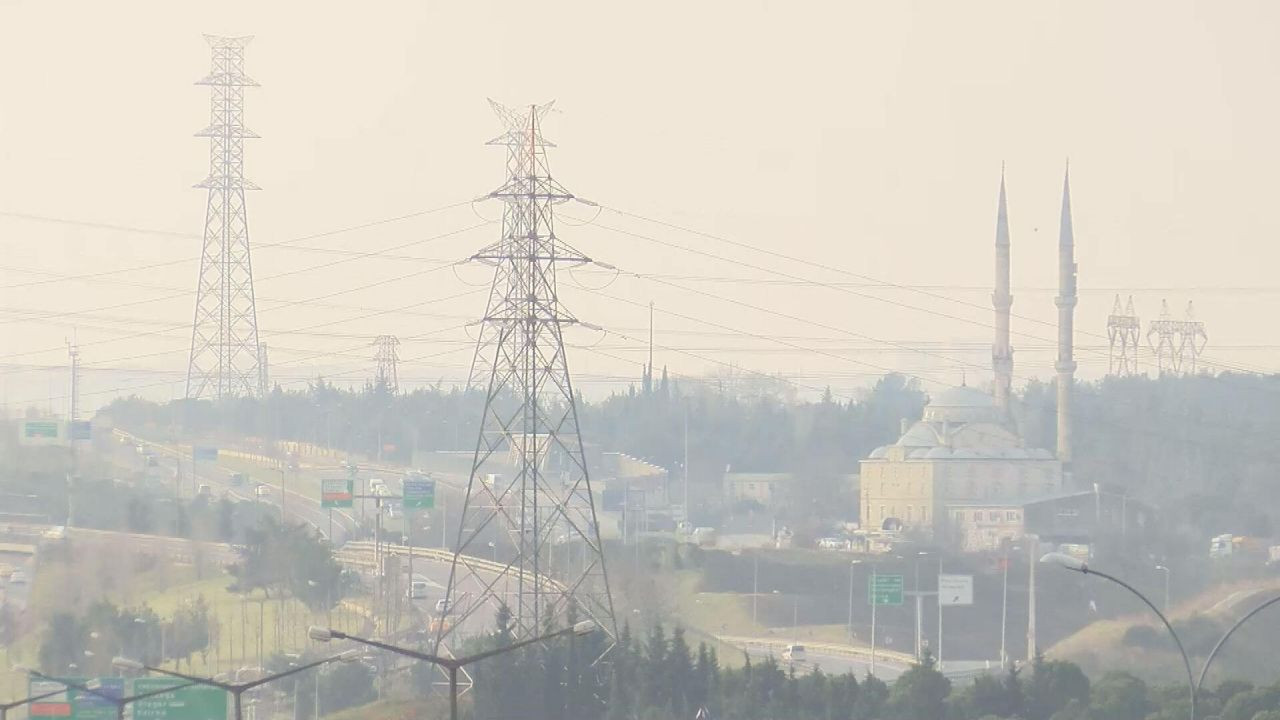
{"x": 1167, "y": 347}
{"x": 515, "y": 123}
{"x": 1123, "y": 327}
{"x": 1192, "y": 340}
{"x": 225, "y": 356}
{"x": 529, "y": 475}
{"x": 387, "y": 357}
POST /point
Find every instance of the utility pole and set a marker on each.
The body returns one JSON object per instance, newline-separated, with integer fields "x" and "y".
{"x": 225, "y": 358}
{"x": 73, "y": 352}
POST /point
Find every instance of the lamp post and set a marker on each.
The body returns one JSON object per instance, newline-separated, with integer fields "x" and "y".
{"x": 452, "y": 665}
{"x": 283, "y": 495}
{"x": 236, "y": 689}
{"x": 1077, "y": 565}
{"x": 119, "y": 702}
{"x": 1204, "y": 671}
{"x": 1166, "y": 572}
{"x": 849, "y": 629}
{"x": 6, "y": 707}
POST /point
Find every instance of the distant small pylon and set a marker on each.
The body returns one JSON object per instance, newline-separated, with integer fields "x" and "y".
{"x": 1123, "y": 328}
{"x": 1192, "y": 340}
{"x": 387, "y": 357}
{"x": 1168, "y": 353}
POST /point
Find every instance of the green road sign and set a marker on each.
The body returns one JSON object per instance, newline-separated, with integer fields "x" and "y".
{"x": 77, "y": 704}
{"x": 419, "y": 493}
{"x": 337, "y": 493}
{"x": 43, "y": 429}
{"x": 884, "y": 590}
{"x": 198, "y": 702}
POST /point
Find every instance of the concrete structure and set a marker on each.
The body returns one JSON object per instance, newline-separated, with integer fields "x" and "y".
{"x": 960, "y": 454}
{"x": 760, "y": 488}
{"x": 962, "y": 474}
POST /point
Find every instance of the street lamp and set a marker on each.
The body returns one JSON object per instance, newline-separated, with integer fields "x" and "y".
{"x": 1165, "y": 570}
{"x": 452, "y": 665}
{"x": 119, "y": 702}
{"x": 1078, "y": 565}
{"x": 852, "y": 565}
{"x": 236, "y": 689}
{"x": 1204, "y": 671}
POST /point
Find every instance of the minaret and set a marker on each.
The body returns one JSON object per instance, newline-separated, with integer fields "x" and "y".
{"x": 1001, "y": 352}
{"x": 1066, "y": 302}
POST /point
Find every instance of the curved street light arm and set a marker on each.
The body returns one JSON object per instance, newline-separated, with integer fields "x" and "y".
{"x": 1186, "y": 661}
{"x": 514, "y": 646}
{"x": 241, "y": 687}
{"x": 435, "y": 659}
{"x": 1214, "y": 652}
{"x": 194, "y": 679}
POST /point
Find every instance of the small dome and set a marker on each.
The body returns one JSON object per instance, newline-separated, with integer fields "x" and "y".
{"x": 919, "y": 435}
{"x": 877, "y": 454}
{"x": 961, "y": 405}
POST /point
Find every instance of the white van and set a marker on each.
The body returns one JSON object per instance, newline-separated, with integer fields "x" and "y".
{"x": 793, "y": 653}
{"x": 418, "y": 590}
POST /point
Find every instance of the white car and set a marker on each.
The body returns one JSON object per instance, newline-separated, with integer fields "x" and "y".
{"x": 442, "y": 607}
{"x": 262, "y": 490}
{"x": 17, "y": 577}
{"x": 56, "y": 533}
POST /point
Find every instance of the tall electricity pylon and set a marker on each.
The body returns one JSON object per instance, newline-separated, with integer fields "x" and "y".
{"x": 225, "y": 354}
{"x": 515, "y": 123}
{"x": 1123, "y": 327}
{"x": 529, "y": 476}
{"x": 387, "y": 358}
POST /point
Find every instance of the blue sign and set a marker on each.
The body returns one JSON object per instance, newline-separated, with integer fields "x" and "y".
{"x": 81, "y": 430}
{"x": 204, "y": 453}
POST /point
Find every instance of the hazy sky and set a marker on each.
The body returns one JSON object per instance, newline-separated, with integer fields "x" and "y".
{"x": 865, "y": 137}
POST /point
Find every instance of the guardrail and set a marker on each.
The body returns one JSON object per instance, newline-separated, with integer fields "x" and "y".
{"x": 856, "y": 651}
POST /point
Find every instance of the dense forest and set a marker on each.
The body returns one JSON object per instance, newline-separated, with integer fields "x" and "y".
{"x": 1196, "y": 445}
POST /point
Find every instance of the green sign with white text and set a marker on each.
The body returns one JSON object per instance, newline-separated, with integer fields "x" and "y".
{"x": 884, "y": 590}
{"x": 195, "y": 702}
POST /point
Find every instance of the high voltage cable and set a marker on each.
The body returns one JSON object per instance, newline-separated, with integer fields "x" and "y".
{"x": 192, "y": 236}
{"x": 847, "y": 290}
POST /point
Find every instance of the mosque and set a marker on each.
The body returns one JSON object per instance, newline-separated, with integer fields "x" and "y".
{"x": 962, "y": 475}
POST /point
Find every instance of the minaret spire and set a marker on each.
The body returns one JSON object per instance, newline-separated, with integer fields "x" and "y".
{"x": 1066, "y": 302}
{"x": 1001, "y": 351}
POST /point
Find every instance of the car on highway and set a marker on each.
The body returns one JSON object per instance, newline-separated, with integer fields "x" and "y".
{"x": 261, "y": 491}
{"x": 442, "y": 607}
{"x": 17, "y": 577}
{"x": 55, "y": 533}
{"x": 418, "y": 590}
{"x": 237, "y": 479}
{"x": 793, "y": 653}
{"x": 204, "y": 490}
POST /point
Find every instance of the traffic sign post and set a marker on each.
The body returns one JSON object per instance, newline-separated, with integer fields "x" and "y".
{"x": 881, "y": 590}
{"x": 955, "y": 589}
{"x": 190, "y": 702}
{"x": 419, "y": 493}
{"x": 337, "y": 493}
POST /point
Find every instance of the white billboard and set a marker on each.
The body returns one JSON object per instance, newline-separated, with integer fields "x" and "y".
{"x": 955, "y": 589}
